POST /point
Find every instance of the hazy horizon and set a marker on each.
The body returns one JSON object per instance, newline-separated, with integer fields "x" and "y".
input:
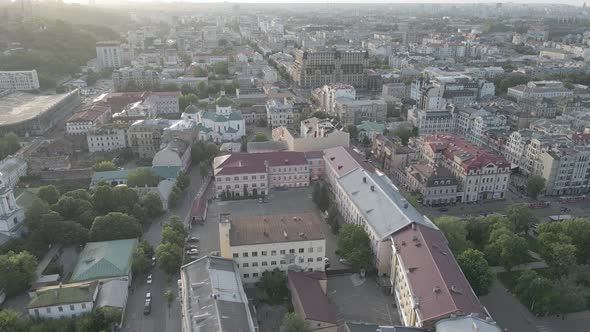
{"x": 568, "y": 2}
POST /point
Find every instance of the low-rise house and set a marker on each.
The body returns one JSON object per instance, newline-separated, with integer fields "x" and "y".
{"x": 105, "y": 260}
{"x": 262, "y": 243}
{"x": 61, "y": 301}
{"x": 212, "y": 297}
{"x": 145, "y": 137}
{"x": 308, "y": 295}
{"x": 176, "y": 153}
{"x": 369, "y": 130}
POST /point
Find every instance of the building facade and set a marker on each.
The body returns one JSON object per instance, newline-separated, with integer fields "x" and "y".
{"x": 23, "y": 80}
{"x": 107, "y": 138}
{"x": 140, "y": 78}
{"x": 353, "y": 112}
{"x": 109, "y": 54}
{"x": 313, "y": 69}
{"x": 279, "y": 114}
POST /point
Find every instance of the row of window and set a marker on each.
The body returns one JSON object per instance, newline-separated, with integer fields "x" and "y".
{"x": 282, "y": 262}
{"x": 60, "y": 308}
{"x": 281, "y": 252}
{"x": 237, "y": 178}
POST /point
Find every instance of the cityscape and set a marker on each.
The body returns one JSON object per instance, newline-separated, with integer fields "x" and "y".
{"x": 294, "y": 166}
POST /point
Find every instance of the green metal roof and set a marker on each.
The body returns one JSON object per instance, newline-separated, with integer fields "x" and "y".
{"x": 103, "y": 260}
{"x": 235, "y": 116}
{"x": 25, "y": 199}
{"x": 204, "y": 129}
{"x": 64, "y": 294}
{"x": 371, "y": 126}
{"x": 223, "y": 101}
{"x": 209, "y": 115}
{"x": 166, "y": 172}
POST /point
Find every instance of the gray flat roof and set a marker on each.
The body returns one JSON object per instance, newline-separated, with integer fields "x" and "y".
{"x": 20, "y": 106}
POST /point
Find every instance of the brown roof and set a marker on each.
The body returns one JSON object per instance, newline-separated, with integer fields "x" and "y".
{"x": 308, "y": 298}
{"x": 242, "y": 163}
{"x": 314, "y": 154}
{"x": 435, "y": 278}
{"x": 90, "y": 114}
{"x": 246, "y": 230}
{"x": 344, "y": 160}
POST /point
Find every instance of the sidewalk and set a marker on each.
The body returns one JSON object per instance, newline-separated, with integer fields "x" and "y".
{"x": 521, "y": 267}
{"x": 46, "y": 259}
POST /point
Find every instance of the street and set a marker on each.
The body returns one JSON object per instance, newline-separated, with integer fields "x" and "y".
{"x": 161, "y": 317}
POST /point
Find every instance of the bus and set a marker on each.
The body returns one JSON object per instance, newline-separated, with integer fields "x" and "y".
{"x": 571, "y": 199}
{"x": 539, "y": 205}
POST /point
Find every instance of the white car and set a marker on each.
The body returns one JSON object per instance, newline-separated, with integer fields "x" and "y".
{"x": 192, "y": 251}
{"x": 149, "y": 280}
{"x": 154, "y": 261}
{"x": 148, "y": 296}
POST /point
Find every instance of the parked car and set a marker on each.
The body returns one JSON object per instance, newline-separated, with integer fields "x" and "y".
{"x": 148, "y": 296}
{"x": 193, "y": 239}
{"x": 443, "y": 209}
{"x": 147, "y": 307}
{"x": 149, "y": 279}
{"x": 343, "y": 261}
{"x": 192, "y": 252}
{"x": 153, "y": 260}
{"x": 215, "y": 253}
{"x": 192, "y": 246}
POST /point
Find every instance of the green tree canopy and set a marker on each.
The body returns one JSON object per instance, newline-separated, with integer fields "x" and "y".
{"x": 507, "y": 250}
{"x": 169, "y": 257}
{"x": 534, "y": 291}
{"x": 35, "y": 212}
{"x": 352, "y": 132}
{"x": 274, "y": 285}
{"x": 293, "y": 323}
{"x": 114, "y": 226}
{"x": 142, "y": 177}
{"x": 8, "y": 144}
{"x": 456, "y": 233}
{"x": 521, "y": 217}
{"x": 355, "y": 246}
{"x": 477, "y": 271}
{"x": 17, "y": 272}
{"x": 535, "y": 185}
{"x": 153, "y": 204}
{"x": 404, "y": 134}
{"x": 103, "y": 166}
{"x": 49, "y": 194}
{"x": 260, "y": 137}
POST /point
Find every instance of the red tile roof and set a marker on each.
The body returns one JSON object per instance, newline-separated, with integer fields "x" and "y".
{"x": 434, "y": 277}
{"x": 90, "y": 114}
{"x": 314, "y": 154}
{"x": 308, "y": 298}
{"x": 242, "y": 163}
{"x": 167, "y": 93}
{"x": 473, "y": 157}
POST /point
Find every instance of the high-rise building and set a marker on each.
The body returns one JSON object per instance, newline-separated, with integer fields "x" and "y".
{"x": 109, "y": 54}
{"x": 315, "y": 68}
{"x": 19, "y": 80}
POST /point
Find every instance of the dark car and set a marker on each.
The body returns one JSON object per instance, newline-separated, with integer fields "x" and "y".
{"x": 443, "y": 209}
{"x": 147, "y": 308}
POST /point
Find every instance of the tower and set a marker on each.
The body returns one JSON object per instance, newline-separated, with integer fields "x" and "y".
{"x": 12, "y": 216}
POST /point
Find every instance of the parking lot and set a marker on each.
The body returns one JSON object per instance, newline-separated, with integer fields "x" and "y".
{"x": 361, "y": 300}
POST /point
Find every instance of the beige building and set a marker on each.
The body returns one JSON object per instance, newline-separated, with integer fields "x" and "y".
{"x": 315, "y": 68}
{"x": 264, "y": 243}
{"x": 145, "y": 137}
{"x": 107, "y": 138}
{"x": 314, "y": 135}
{"x": 436, "y": 184}
{"x": 566, "y": 171}
{"x": 353, "y": 112}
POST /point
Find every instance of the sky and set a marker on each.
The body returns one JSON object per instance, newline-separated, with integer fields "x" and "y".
{"x": 570, "y": 2}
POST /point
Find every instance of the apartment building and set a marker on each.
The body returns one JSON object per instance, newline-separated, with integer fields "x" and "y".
{"x": 109, "y": 54}
{"x": 390, "y": 156}
{"x": 279, "y": 114}
{"x": 426, "y": 280}
{"x": 328, "y": 94}
{"x": 140, "y": 78}
{"x": 540, "y": 89}
{"x": 315, "y": 68}
{"x": 436, "y": 92}
{"x": 482, "y": 175}
{"x": 353, "y": 112}
{"x": 107, "y": 138}
{"x": 566, "y": 170}
{"x": 164, "y": 103}
{"x": 262, "y": 243}
{"x": 431, "y": 122}
{"x": 240, "y": 174}
{"x": 82, "y": 122}
{"x": 436, "y": 183}
{"x": 314, "y": 135}
{"x": 145, "y": 137}
{"x": 22, "y": 80}
{"x": 395, "y": 91}
{"x": 212, "y": 297}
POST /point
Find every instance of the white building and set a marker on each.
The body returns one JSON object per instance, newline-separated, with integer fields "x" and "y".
{"x": 107, "y": 138}
{"x": 19, "y": 80}
{"x": 264, "y": 243}
{"x": 109, "y": 54}
{"x": 566, "y": 171}
{"x": 175, "y": 153}
{"x": 222, "y": 125}
{"x": 212, "y": 297}
{"x": 63, "y": 301}
{"x": 11, "y": 170}
{"x": 140, "y": 78}
{"x": 328, "y": 94}
{"x": 12, "y": 216}
{"x": 163, "y": 103}
{"x": 82, "y": 122}
{"x": 540, "y": 89}
{"x": 431, "y": 121}
{"x": 279, "y": 114}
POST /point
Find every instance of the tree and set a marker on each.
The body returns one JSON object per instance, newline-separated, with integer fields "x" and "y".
{"x": 393, "y": 111}
{"x": 82, "y": 194}
{"x": 17, "y": 272}
{"x": 404, "y": 134}
{"x": 153, "y": 204}
{"x": 274, "y": 285}
{"x": 352, "y": 132}
{"x": 260, "y": 137}
{"x": 183, "y": 180}
{"x": 141, "y": 261}
{"x": 104, "y": 166}
{"x": 333, "y": 217}
{"x": 115, "y": 226}
{"x": 478, "y": 229}
{"x": 10, "y": 321}
{"x": 186, "y": 100}
{"x": 102, "y": 199}
{"x": 142, "y": 177}
{"x": 561, "y": 258}
{"x": 534, "y": 291}
{"x": 320, "y": 196}
{"x": 355, "y": 246}
{"x": 476, "y": 270}
{"x": 456, "y": 233}
{"x": 507, "y": 250}
{"x": 169, "y": 295}
{"x": 568, "y": 297}
{"x": 293, "y": 323}
{"x": 174, "y": 196}
{"x": 125, "y": 199}
{"x": 75, "y": 209}
{"x": 535, "y": 185}
{"x": 35, "y": 212}
{"x": 577, "y": 229}
{"x": 521, "y": 217}
{"x": 49, "y": 194}
{"x": 169, "y": 257}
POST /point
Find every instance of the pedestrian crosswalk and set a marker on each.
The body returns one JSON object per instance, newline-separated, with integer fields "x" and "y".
{"x": 543, "y": 328}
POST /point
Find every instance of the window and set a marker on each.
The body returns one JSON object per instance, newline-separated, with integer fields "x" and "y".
{"x": 273, "y": 252}
{"x": 246, "y": 275}
{"x": 274, "y": 262}
{"x": 245, "y": 254}
{"x": 301, "y": 250}
{"x": 83, "y": 305}
{"x": 301, "y": 260}
{"x": 292, "y": 261}
{"x": 60, "y": 309}
{"x": 310, "y": 249}
{"x": 310, "y": 260}
{"x": 319, "y": 259}
{"x": 235, "y": 255}
{"x": 291, "y": 251}
{"x": 263, "y": 253}
{"x": 264, "y": 263}
{"x": 71, "y": 307}
{"x": 254, "y": 275}
{"x": 246, "y": 265}
{"x": 283, "y": 262}
{"x": 254, "y": 253}
{"x": 283, "y": 252}
{"x": 48, "y": 310}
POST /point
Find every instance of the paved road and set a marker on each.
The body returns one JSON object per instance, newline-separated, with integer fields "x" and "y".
{"x": 161, "y": 318}
{"x": 521, "y": 267}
